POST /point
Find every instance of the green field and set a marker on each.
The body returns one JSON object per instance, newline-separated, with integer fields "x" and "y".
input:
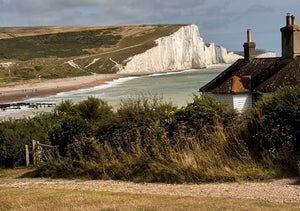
{"x": 59, "y": 45}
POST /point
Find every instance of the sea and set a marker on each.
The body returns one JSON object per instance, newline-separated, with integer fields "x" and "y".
{"x": 175, "y": 87}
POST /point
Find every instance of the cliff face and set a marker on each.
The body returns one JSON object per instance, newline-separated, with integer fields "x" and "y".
{"x": 181, "y": 50}
{"x": 266, "y": 55}
{"x": 260, "y": 53}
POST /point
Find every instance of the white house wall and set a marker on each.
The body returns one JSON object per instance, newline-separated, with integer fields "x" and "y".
{"x": 242, "y": 101}
{"x": 226, "y": 98}
{"x": 239, "y": 102}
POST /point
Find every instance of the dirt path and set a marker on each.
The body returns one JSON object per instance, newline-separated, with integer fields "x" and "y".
{"x": 283, "y": 190}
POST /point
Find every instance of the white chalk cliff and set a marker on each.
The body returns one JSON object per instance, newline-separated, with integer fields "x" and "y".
{"x": 266, "y": 55}
{"x": 183, "y": 49}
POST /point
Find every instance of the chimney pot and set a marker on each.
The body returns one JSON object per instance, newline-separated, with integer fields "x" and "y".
{"x": 290, "y": 38}
{"x": 288, "y": 19}
{"x": 248, "y": 35}
{"x": 249, "y": 47}
{"x": 293, "y": 19}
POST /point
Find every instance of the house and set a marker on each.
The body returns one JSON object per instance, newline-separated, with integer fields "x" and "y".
{"x": 241, "y": 84}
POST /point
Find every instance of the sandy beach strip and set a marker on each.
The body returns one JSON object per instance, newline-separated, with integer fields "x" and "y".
{"x": 51, "y": 87}
{"x": 11, "y": 94}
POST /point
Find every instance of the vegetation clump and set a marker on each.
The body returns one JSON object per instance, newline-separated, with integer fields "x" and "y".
{"x": 60, "y": 44}
{"x": 149, "y": 140}
{"x": 271, "y": 128}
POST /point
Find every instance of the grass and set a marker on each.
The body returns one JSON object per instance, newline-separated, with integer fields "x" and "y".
{"x": 51, "y": 199}
{"x": 60, "y": 45}
{"x": 68, "y": 198}
{"x": 8, "y": 172}
{"x": 51, "y": 51}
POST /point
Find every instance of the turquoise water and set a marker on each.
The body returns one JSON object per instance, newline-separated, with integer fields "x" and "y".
{"x": 177, "y": 87}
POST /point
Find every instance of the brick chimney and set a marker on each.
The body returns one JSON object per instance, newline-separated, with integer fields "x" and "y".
{"x": 249, "y": 47}
{"x": 290, "y": 38}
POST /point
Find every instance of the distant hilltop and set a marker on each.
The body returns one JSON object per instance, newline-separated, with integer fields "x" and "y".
{"x": 36, "y": 53}
{"x": 260, "y": 53}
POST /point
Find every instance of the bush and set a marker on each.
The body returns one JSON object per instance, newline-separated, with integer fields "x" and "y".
{"x": 67, "y": 130}
{"x": 203, "y": 112}
{"x": 14, "y": 135}
{"x": 159, "y": 161}
{"x": 272, "y": 127}
{"x": 136, "y": 145}
{"x": 153, "y": 141}
{"x": 207, "y": 110}
{"x": 136, "y": 119}
{"x": 93, "y": 109}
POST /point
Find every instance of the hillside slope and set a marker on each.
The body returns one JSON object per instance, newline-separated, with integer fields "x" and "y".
{"x": 36, "y": 53}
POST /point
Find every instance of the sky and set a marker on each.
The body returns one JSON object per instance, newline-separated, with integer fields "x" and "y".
{"x": 223, "y": 22}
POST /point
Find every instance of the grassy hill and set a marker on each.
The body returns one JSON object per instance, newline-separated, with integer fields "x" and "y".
{"x": 36, "y": 53}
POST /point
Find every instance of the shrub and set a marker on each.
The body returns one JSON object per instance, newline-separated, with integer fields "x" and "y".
{"x": 153, "y": 141}
{"x": 137, "y": 146}
{"x": 93, "y": 109}
{"x": 14, "y": 135}
{"x": 66, "y": 107}
{"x": 203, "y": 112}
{"x": 207, "y": 110}
{"x": 136, "y": 119}
{"x": 67, "y": 130}
{"x": 272, "y": 127}
{"x": 217, "y": 159}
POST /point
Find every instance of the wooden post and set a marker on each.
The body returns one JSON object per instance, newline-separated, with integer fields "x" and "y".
{"x": 38, "y": 152}
{"x": 27, "y": 155}
{"x": 34, "y": 152}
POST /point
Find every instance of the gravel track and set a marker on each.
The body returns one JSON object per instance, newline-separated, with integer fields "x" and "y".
{"x": 282, "y": 190}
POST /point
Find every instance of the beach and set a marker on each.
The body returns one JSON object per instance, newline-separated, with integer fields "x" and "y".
{"x": 11, "y": 94}
{"x": 19, "y": 93}
{"x": 54, "y": 86}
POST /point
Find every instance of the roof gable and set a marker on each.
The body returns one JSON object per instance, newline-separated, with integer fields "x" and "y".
{"x": 256, "y": 75}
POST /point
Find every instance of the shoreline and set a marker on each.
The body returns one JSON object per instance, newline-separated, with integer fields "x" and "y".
{"x": 18, "y": 93}
{"x": 11, "y": 94}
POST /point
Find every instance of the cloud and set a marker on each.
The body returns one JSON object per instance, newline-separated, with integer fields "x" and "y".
{"x": 165, "y": 4}
{"x": 218, "y": 20}
{"x": 113, "y": 11}
{"x": 155, "y": 11}
{"x": 39, "y": 6}
{"x": 256, "y": 8}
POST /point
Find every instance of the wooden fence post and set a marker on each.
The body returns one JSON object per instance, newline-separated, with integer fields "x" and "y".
{"x": 34, "y": 152}
{"x": 27, "y": 155}
{"x": 38, "y": 152}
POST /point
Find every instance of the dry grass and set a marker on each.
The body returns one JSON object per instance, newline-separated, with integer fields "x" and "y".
{"x": 11, "y": 32}
{"x": 13, "y": 173}
{"x": 50, "y": 199}
{"x": 217, "y": 159}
